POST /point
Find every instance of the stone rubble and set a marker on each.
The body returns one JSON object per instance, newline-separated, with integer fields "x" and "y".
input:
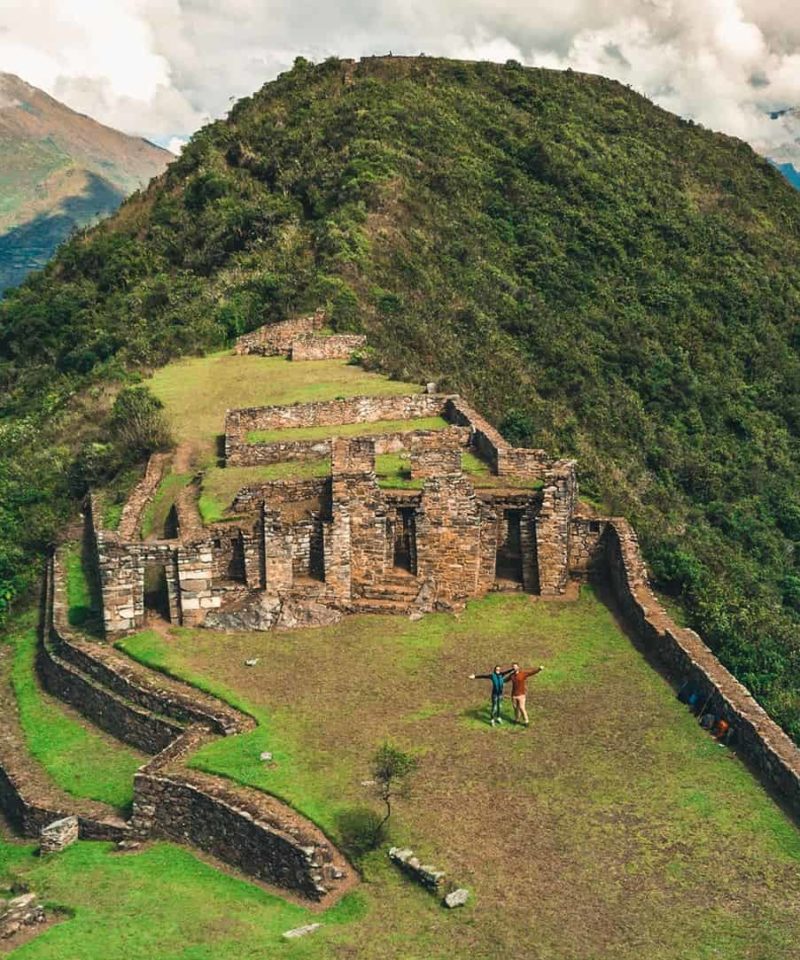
{"x": 19, "y": 912}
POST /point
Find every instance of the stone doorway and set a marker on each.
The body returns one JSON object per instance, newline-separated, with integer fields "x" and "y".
{"x": 156, "y": 592}
{"x": 508, "y": 564}
{"x": 405, "y": 540}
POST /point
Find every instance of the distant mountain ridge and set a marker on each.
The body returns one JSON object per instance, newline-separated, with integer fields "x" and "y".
{"x": 58, "y": 170}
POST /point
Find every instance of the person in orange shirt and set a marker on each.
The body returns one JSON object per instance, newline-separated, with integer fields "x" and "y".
{"x": 519, "y": 691}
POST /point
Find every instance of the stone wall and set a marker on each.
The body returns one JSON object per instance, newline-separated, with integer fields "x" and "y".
{"x": 188, "y": 569}
{"x": 438, "y": 453}
{"x": 553, "y": 528}
{"x": 757, "y": 738}
{"x": 276, "y": 339}
{"x": 281, "y": 492}
{"x": 585, "y": 555}
{"x": 131, "y": 519}
{"x": 247, "y": 829}
{"x": 483, "y": 436}
{"x": 244, "y": 828}
{"x": 449, "y": 537}
{"x": 240, "y": 423}
{"x": 340, "y": 346}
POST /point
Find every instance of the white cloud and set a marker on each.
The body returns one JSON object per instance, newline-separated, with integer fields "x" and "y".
{"x": 161, "y": 67}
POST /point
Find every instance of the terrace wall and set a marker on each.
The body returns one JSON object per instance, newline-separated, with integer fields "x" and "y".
{"x": 276, "y": 339}
{"x": 758, "y": 739}
{"x": 240, "y": 423}
{"x": 340, "y": 346}
{"x": 248, "y": 830}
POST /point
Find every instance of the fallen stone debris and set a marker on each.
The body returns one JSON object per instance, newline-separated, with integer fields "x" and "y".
{"x": 301, "y": 931}
{"x": 426, "y": 875}
{"x": 456, "y": 898}
{"x": 18, "y": 913}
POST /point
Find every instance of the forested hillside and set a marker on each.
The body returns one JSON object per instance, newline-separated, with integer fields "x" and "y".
{"x": 602, "y": 278}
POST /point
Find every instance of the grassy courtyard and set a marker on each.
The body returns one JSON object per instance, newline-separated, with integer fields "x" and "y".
{"x": 197, "y": 391}
{"x": 613, "y": 827}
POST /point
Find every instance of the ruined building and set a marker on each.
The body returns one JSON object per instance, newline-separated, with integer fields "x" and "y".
{"x": 429, "y": 538}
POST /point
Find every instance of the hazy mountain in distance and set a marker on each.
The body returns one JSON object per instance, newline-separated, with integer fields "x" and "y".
{"x": 58, "y": 170}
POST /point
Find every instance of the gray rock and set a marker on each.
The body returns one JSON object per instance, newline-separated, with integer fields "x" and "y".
{"x": 265, "y": 613}
{"x": 301, "y": 931}
{"x": 251, "y": 663}
{"x": 457, "y": 898}
{"x": 266, "y": 756}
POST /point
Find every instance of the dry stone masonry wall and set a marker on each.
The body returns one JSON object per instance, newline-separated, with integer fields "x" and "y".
{"x": 300, "y": 339}
{"x": 245, "y": 828}
{"x": 758, "y": 738}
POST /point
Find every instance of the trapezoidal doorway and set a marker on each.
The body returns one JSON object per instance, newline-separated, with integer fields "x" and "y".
{"x": 508, "y": 564}
{"x": 156, "y": 593}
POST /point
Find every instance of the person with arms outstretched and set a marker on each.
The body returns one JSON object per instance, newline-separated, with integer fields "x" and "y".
{"x": 519, "y": 691}
{"x": 498, "y": 677}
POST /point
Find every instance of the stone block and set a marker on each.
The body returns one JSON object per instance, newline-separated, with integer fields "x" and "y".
{"x": 58, "y": 835}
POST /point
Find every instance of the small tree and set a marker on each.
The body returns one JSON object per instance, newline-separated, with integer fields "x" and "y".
{"x": 392, "y": 769}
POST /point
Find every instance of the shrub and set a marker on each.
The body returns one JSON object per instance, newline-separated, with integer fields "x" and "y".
{"x": 138, "y": 423}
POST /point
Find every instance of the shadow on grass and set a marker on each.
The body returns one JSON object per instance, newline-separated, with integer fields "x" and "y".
{"x": 360, "y": 831}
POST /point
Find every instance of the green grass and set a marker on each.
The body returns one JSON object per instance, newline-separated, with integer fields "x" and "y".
{"x": 82, "y": 608}
{"x": 394, "y": 472}
{"x": 79, "y": 760}
{"x": 163, "y": 903}
{"x": 221, "y": 484}
{"x": 197, "y": 391}
{"x": 619, "y": 806}
{"x": 347, "y": 430}
{"x": 155, "y": 515}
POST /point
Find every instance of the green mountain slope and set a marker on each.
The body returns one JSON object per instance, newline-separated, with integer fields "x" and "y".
{"x": 603, "y": 278}
{"x": 58, "y": 170}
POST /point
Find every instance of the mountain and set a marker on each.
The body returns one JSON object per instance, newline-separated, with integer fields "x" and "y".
{"x": 58, "y": 170}
{"x": 603, "y": 278}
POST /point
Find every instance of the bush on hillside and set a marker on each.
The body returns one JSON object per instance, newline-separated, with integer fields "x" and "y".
{"x": 138, "y": 424}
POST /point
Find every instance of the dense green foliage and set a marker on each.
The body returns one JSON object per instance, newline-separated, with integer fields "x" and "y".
{"x": 616, "y": 283}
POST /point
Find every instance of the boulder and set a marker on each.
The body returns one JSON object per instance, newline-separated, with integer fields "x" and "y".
{"x": 456, "y": 898}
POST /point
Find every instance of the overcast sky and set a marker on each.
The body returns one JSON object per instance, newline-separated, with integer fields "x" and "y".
{"x": 160, "y": 68}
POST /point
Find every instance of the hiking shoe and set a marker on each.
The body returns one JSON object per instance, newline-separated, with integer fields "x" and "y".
{"x": 491, "y": 723}
{"x": 499, "y": 719}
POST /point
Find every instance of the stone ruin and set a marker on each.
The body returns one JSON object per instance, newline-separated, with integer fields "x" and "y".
{"x": 301, "y": 338}
{"x": 20, "y": 913}
{"x": 297, "y": 552}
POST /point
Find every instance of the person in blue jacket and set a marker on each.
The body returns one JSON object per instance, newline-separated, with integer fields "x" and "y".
{"x": 499, "y": 677}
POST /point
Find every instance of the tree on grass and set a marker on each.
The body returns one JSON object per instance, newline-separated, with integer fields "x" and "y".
{"x": 392, "y": 770}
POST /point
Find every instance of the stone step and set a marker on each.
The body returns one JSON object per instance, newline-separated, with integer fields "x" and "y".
{"x": 370, "y": 605}
{"x": 384, "y": 591}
